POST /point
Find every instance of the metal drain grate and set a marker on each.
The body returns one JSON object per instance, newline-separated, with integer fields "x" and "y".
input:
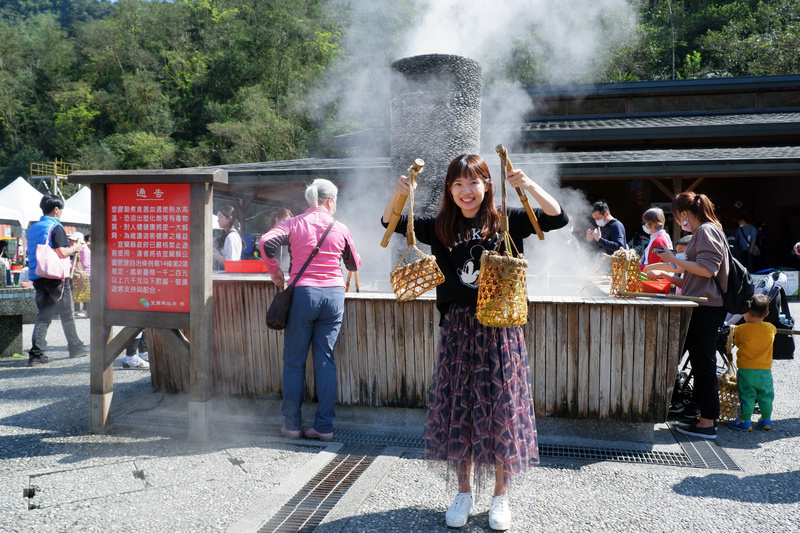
{"x": 545, "y": 450}
{"x": 704, "y": 453}
{"x": 612, "y": 454}
{"x": 306, "y": 510}
{"x": 697, "y": 453}
{"x": 379, "y": 438}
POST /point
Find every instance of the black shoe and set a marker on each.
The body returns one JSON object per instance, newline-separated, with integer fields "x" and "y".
{"x": 690, "y": 412}
{"x": 677, "y": 407}
{"x": 689, "y": 423}
{"x": 40, "y": 360}
{"x": 694, "y": 431}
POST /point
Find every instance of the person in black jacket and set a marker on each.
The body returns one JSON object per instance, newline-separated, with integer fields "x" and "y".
{"x": 610, "y": 233}
{"x": 480, "y": 411}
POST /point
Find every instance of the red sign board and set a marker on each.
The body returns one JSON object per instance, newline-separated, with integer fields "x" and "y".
{"x": 148, "y": 247}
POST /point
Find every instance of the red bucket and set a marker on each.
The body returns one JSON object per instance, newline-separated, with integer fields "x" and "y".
{"x": 247, "y": 266}
{"x": 656, "y": 287}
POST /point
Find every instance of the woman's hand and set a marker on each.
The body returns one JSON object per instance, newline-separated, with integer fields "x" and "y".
{"x": 666, "y": 255}
{"x": 517, "y": 178}
{"x": 402, "y": 186}
{"x": 654, "y": 275}
{"x": 278, "y": 279}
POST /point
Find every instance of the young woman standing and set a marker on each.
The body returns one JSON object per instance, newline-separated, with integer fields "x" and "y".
{"x": 706, "y": 258}
{"x": 228, "y": 247}
{"x": 480, "y": 414}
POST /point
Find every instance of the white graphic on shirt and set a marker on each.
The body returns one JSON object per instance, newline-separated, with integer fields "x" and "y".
{"x": 468, "y": 274}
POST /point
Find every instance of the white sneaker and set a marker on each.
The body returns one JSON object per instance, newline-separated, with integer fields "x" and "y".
{"x": 500, "y": 513}
{"x": 144, "y": 357}
{"x": 135, "y": 362}
{"x": 458, "y": 513}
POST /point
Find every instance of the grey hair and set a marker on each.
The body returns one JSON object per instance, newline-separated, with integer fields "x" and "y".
{"x": 319, "y": 191}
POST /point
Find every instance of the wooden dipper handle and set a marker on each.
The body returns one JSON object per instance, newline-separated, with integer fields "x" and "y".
{"x": 500, "y": 149}
{"x": 413, "y": 172}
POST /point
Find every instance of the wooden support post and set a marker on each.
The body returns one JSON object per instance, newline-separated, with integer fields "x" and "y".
{"x": 201, "y": 384}
{"x": 101, "y": 371}
{"x": 677, "y": 183}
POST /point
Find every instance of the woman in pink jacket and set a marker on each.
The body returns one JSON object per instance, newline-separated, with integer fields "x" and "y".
{"x": 317, "y": 306}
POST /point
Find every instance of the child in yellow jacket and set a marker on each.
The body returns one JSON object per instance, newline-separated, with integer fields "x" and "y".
{"x": 754, "y": 341}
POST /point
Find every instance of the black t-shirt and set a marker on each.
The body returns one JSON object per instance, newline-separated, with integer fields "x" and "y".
{"x": 59, "y": 237}
{"x": 460, "y": 265}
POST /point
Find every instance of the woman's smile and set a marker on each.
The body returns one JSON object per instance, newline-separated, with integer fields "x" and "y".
{"x": 468, "y": 194}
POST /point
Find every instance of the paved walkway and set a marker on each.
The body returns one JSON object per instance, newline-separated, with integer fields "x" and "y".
{"x": 146, "y": 477}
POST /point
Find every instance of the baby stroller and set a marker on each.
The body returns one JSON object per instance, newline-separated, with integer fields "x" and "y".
{"x": 773, "y": 286}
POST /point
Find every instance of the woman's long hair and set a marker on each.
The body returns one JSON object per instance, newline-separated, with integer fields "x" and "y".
{"x": 229, "y": 211}
{"x": 450, "y": 222}
{"x": 698, "y": 204}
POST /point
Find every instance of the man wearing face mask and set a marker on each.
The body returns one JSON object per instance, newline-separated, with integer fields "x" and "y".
{"x": 610, "y": 233}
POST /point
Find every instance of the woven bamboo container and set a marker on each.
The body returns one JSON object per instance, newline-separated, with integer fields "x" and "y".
{"x": 414, "y": 279}
{"x": 625, "y": 269}
{"x": 502, "y": 291}
{"x": 728, "y": 385}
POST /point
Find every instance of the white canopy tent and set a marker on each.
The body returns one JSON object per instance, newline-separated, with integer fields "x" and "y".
{"x": 10, "y": 216}
{"x": 19, "y": 205}
{"x": 21, "y": 202}
{"x": 78, "y": 208}
{"x": 21, "y": 197}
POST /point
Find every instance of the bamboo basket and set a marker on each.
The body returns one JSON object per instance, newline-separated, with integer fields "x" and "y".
{"x": 502, "y": 290}
{"x": 502, "y": 279}
{"x": 414, "y": 279}
{"x": 728, "y": 385}
{"x": 81, "y": 284}
{"x": 625, "y": 273}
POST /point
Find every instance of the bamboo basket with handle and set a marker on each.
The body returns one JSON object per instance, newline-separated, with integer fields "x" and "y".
{"x": 502, "y": 280}
{"x": 414, "y": 279}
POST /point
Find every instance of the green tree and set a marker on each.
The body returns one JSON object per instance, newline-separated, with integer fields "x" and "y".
{"x": 73, "y": 120}
{"x": 256, "y": 132}
{"x": 141, "y": 150}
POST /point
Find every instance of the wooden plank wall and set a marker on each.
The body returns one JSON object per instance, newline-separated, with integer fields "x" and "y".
{"x": 590, "y": 358}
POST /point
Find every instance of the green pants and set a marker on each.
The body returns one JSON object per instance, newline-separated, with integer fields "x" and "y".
{"x": 755, "y": 385}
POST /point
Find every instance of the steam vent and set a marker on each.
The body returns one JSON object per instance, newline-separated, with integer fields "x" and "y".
{"x": 436, "y": 115}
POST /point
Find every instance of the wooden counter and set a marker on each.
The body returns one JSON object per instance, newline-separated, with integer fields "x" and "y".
{"x": 598, "y": 358}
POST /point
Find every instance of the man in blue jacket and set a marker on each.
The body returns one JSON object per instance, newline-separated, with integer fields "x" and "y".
{"x": 610, "y": 233}
{"x": 53, "y": 296}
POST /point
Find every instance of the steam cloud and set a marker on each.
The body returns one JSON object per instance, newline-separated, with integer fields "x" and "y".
{"x": 570, "y": 41}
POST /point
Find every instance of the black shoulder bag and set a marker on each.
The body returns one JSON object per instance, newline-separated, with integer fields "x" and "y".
{"x": 736, "y": 300}
{"x": 278, "y": 312}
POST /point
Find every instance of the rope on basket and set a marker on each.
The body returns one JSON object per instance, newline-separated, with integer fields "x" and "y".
{"x": 414, "y": 279}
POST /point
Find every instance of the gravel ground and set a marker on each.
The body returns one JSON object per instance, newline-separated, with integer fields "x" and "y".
{"x": 55, "y": 476}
